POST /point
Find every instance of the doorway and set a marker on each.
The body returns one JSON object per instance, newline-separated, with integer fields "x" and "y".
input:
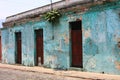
{"x": 0, "y": 50}
{"x": 76, "y": 44}
{"x": 18, "y": 47}
{"x": 39, "y": 46}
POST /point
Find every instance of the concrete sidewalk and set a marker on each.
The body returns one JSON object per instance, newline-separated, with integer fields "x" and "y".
{"x": 75, "y": 74}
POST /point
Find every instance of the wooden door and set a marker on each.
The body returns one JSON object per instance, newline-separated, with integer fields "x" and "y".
{"x": 39, "y": 46}
{"x": 18, "y": 47}
{"x": 76, "y": 39}
{"x": 0, "y": 49}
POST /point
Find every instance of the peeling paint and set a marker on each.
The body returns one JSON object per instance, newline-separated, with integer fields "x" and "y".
{"x": 87, "y": 33}
{"x": 117, "y": 65}
{"x": 100, "y": 36}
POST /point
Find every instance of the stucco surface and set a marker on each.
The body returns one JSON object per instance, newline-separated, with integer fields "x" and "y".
{"x": 100, "y": 34}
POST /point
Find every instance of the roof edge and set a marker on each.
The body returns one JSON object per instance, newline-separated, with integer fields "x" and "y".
{"x": 43, "y": 9}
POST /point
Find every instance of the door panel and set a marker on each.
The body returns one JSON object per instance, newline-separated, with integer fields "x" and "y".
{"x": 39, "y": 47}
{"x": 0, "y": 49}
{"x": 76, "y": 37}
{"x": 18, "y": 47}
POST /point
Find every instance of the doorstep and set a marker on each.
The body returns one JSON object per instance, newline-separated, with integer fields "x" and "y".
{"x": 76, "y": 69}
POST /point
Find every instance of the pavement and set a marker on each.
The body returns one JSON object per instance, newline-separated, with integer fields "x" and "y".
{"x": 69, "y": 73}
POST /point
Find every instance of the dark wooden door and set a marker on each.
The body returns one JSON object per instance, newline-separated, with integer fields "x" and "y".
{"x": 76, "y": 37}
{"x": 0, "y": 49}
{"x": 18, "y": 47}
{"x": 39, "y": 46}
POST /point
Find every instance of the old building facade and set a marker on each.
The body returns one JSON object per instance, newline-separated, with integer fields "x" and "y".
{"x": 87, "y": 36}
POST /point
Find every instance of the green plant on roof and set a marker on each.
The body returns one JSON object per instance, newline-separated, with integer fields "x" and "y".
{"x": 52, "y": 16}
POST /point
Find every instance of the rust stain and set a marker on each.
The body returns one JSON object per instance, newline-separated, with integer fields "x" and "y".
{"x": 117, "y": 64}
{"x": 83, "y": 8}
{"x": 66, "y": 40}
{"x": 118, "y": 39}
{"x": 87, "y": 33}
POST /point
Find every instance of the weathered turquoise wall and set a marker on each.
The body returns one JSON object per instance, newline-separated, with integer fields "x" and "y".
{"x": 56, "y": 44}
{"x": 100, "y": 33}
